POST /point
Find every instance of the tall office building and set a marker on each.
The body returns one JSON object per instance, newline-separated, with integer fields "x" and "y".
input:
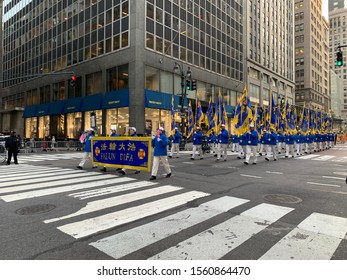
{"x": 337, "y": 4}
{"x": 338, "y": 37}
{"x": 311, "y": 55}
{"x": 123, "y": 55}
{"x": 270, "y": 50}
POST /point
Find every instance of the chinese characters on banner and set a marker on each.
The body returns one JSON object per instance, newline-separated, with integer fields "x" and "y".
{"x": 122, "y": 152}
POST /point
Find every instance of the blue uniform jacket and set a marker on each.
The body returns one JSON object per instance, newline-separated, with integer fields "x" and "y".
{"x": 88, "y": 143}
{"x": 114, "y": 135}
{"x": 289, "y": 139}
{"x": 197, "y": 138}
{"x": 177, "y": 137}
{"x": 160, "y": 145}
{"x": 212, "y": 138}
{"x": 251, "y": 138}
{"x": 223, "y": 137}
{"x": 236, "y": 139}
{"x": 243, "y": 141}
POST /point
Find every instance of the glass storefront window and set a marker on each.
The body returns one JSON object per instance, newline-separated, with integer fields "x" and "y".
{"x": 152, "y": 78}
{"x": 119, "y": 118}
{"x": 254, "y": 93}
{"x": 31, "y": 127}
{"x": 156, "y": 118}
{"x": 43, "y": 127}
{"x": 98, "y": 121}
{"x": 74, "y": 125}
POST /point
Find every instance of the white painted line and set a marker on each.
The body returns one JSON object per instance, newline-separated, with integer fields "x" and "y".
{"x": 251, "y": 176}
{"x": 340, "y": 173}
{"x": 150, "y": 233}
{"x": 323, "y": 158}
{"x": 336, "y": 178}
{"x": 188, "y": 162}
{"x": 308, "y": 157}
{"x": 115, "y": 201}
{"x": 329, "y": 191}
{"x": 43, "y": 175}
{"x": 315, "y": 238}
{"x": 217, "y": 241}
{"x": 66, "y": 188}
{"x": 52, "y": 178}
{"x": 325, "y": 185}
{"x": 272, "y": 172}
{"x": 112, "y": 189}
{"x": 83, "y": 177}
{"x": 100, "y": 223}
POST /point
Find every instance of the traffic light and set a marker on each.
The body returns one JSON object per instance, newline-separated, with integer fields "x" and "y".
{"x": 73, "y": 81}
{"x": 339, "y": 58}
{"x": 193, "y": 85}
{"x": 189, "y": 84}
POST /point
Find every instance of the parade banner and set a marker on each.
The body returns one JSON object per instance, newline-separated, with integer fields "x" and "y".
{"x": 122, "y": 152}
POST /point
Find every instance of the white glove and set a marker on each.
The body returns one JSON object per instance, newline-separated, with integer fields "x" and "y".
{"x": 220, "y": 141}
{"x": 153, "y": 137}
{"x": 158, "y": 139}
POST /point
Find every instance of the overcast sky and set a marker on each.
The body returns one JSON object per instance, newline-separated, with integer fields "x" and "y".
{"x": 325, "y": 8}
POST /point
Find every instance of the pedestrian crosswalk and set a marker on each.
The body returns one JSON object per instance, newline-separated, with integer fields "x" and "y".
{"x": 112, "y": 201}
{"x": 27, "y": 158}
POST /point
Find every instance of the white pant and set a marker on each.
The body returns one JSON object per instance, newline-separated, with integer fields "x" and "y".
{"x": 199, "y": 149}
{"x": 212, "y": 148}
{"x": 222, "y": 148}
{"x": 86, "y": 156}
{"x": 299, "y": 148}
{"x": 251, "y": 150}
{"x": 175, "y": 146}
{"x": 240, "y": 151}
{"x": 164, "y": 161}
{"x": 235, "y": 147}
{"x": 269, "y": 149}
{"x": 289, "y": 149}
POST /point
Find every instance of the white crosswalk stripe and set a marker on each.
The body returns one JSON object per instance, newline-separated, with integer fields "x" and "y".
{"x": 113, "y": 201}
{"x": 25, "y": 158}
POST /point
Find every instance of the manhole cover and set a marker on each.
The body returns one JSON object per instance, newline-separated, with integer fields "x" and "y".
{"x": 35, "y": 209}
{"x": 282, "y": 198}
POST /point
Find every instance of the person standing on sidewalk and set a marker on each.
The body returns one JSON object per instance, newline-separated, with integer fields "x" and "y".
{"x": 159, "y": 143}
{"x": 12, "y": 144}
{"x": 87, "y": 148}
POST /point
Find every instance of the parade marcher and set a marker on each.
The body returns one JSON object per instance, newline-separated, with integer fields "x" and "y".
{"x": 132, "y": 133}
{"x": 271, "y": 141}
{"x": 289, "y": 140}
{"x": 87, "y": 148}
{"x": 212, "y": 142}
{"x": 12, "y": 144}
{"x": 159, "y": 143}
{"x": 242, "y": 147}
{"x": 236, "y": 142}
{"x": 308, "y": 142}
{"x": 197, "y": 143}
{"x": 32, "y": 144}
{"x": 223, "y": 139}
{"x": 113, "y": 134}
{"x": 262, "y": 142}
{"x": 252, "y": 141}
{"x": 280, "y": 140}
{"x": 299, "y": 139}
{"x": 175, "y": 146}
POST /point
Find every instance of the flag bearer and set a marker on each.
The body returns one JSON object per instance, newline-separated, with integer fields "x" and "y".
{"x": 223, "y": 139}
{"x": 271, "y": 141}
{"x": 252, "y": 142}
{"x": 212, "y": 142}
{"x": 197, "y": 143}
{"x": 289, "y": 140}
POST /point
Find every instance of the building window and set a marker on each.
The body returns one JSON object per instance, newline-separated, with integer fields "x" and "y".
{"x": 94, "y": 83}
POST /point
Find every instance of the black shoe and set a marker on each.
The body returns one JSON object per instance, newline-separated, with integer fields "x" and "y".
{"x": 267, "y": 159}
{"x": 137, "y": 172}
{"x": 225, "y": 160}
{"x": 292, "y": 156}
{"x": 103, "y": 169}
{"x": 201, "y": 158}
{"x": 178, "y": 157}
{"x": 260, "y": 154}
{"x": 215, "y": 155}
{"x": 168, "y": 175}
{"x": 79, "y": 167}
{"x": 254, "y": 163}
{"x": 192, "y": 158}
{"x": 245, "y": 162}
{"x": 170, "y": 156}
{"x": 275, "y": 159}
{"x": 118, "y": 169}
{"x": 94, "y": 167}
{"x": 7, "y": 164}
{"x": 286, "y": 156}
{"x": 16, "y": 163}
{"x": 239, "y": 157}
{"x": 153, "y": 178}
{"x": 122, "y": 172}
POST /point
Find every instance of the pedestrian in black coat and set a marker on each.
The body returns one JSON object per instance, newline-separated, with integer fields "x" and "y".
{"x": 12, "y": 144}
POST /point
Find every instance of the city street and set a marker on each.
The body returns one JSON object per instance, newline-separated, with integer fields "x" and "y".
{"x": 284, "y": 209}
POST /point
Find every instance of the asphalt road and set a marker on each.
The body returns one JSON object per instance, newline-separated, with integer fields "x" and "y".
{"x": 284, "y": 209}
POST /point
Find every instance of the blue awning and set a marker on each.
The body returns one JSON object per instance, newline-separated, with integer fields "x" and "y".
{"x": 56, "y": 108}
{"x": 116, "y": 99}
{"x": 73, "y": 105}
{"x": 42, "y": 110}
{"x": 92, "y": 102}
{"x": 29, "y": 111}
{"x": 161, "y": 100}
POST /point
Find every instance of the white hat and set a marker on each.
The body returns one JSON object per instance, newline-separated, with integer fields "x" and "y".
{"x": 161, "y": 128}
{"x": 133, "y": 128}
{"x": 176, "y": 127}
{"x": 113, "y": 127}
{"x": 223, "y": 125}
{"x": 90, "y": 129}
{"x": 197, "y": 127}
{"x": 251, "y": 125}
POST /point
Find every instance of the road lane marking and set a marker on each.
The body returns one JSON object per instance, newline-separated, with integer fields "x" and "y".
{"x": 273, "y": 172}
{"x": 117, "y": 246}
{"x": 323, "y": 158}
{"x": 326, "y": 185}
{"x": 116, "y": 201}
{"x": 94, "y": 225}
{"x": 336, "y": 178}
{"x": 65, "y": 188}
{"x": 315, "y": 238}
{"x": 251, "y": 176}
{"x": 219, "y": 240}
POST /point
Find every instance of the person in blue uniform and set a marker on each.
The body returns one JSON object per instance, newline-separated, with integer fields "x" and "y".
{"x": 87, "y": 148}
{"x": 159, "y": 143}
{"x": 175, "y": 146}
{"x": 132, "y": 133}
{"x": 289, "y": 140}
{"x": 212, "y": 142}
{"x": 197, "y": 143}
{"x": 271, "y": 142}
{"x": 252, "y": 141}
{"x": 223, "y": 139}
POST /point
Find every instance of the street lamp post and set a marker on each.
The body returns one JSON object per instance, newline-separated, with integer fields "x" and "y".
{"x": 188, "y": 75}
